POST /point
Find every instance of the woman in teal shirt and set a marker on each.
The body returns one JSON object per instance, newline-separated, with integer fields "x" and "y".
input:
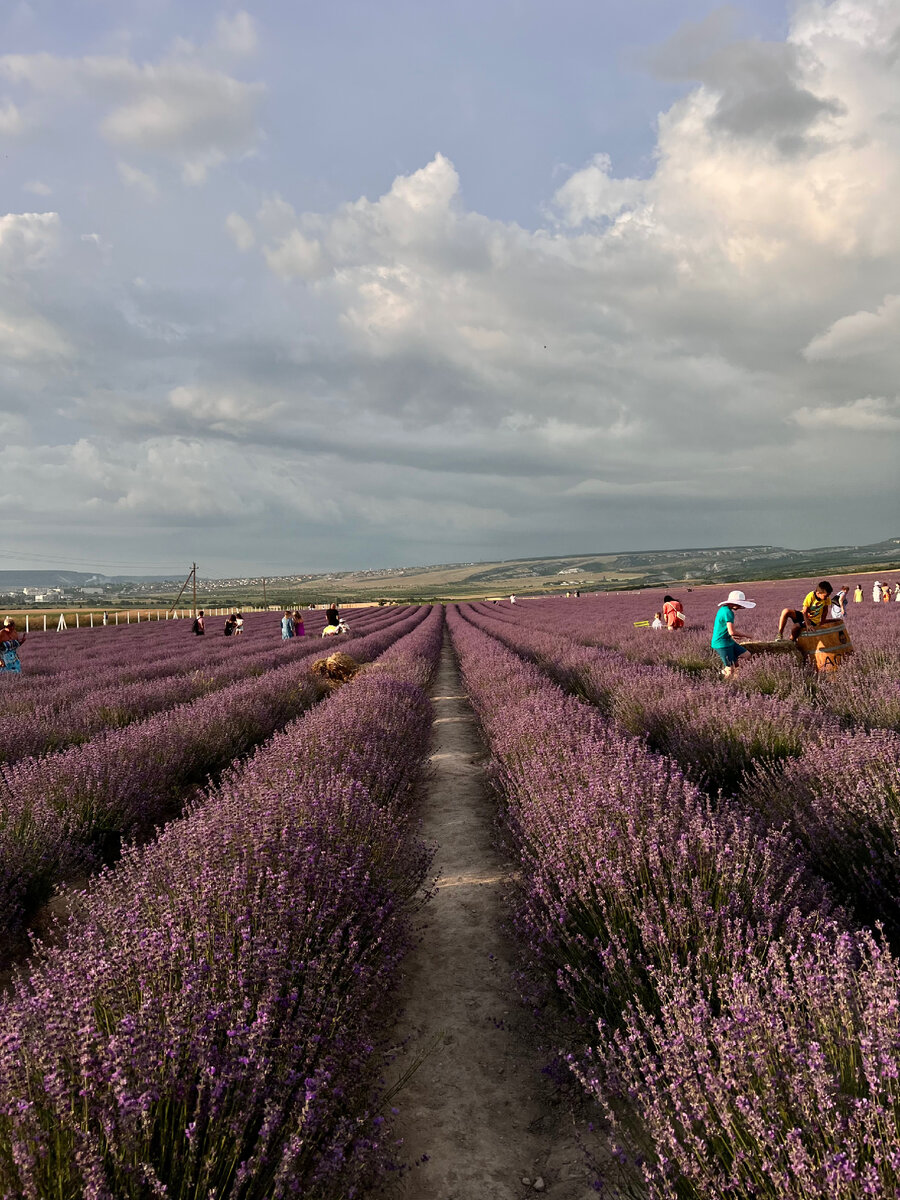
{"x": 724, "y": 634}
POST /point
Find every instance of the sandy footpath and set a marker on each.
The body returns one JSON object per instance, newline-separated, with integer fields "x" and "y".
{"x": 478, "y": 1106}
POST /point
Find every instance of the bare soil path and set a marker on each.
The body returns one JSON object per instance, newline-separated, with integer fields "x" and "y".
{"x": 478, "y": 1106}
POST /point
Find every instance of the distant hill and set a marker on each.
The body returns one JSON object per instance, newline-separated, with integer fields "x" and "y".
{"x": 16, "y": 580}
{"x": 614, "y": 570}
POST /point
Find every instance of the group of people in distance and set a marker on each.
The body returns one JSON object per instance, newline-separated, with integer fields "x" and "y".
{"x": 881, "y": 593}
{"x": 291, "y": 625}
{"x": 234, "y": 624}
{"x": 821, "y": 608}
{"x": 671, "y": 617}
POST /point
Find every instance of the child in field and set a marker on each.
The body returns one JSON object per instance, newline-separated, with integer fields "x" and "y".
{"x": 287, "y": 626}
{"x": 876, "y": 592}
{"x": 858, "y": 594}
{"x": 724, "y": 635}
{"x": 839, "y": 604}
{"x": 10, "y": 641}
{"x": 813, "y": 615}
{"x": 657, "y": 621}
{"x": 299, "y": 630}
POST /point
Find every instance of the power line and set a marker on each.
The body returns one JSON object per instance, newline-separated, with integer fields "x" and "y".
{"x": 22, "y": 552}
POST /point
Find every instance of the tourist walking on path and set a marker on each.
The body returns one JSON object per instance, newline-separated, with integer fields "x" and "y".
{"x": 724, "y": 635}
{"x": 813, "y": 614}
{"x": 10, "y": 641}
{"x": 673, "y": 613}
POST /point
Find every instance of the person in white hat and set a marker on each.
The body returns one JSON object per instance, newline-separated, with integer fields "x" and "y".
{"x": 724, "y": 635}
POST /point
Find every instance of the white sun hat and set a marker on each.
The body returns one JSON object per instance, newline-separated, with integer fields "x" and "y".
{"x": 737, "y": 598}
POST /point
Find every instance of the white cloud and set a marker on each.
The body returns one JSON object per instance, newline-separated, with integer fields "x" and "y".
{"x": 241, "y": 231}
{"x": 27, "y": 239}
{"x": 37, "y": 188}
{"x": 141, "y": 181}
{"x": 861, "y": 333}
{"x": 28, "y": 338}
{"x": 870, "y": 414}
{"x": 11, "y": 120}
{"x": 179, "y": 108}
{"x": 297, "y": 257}
{"x": 591, "y": 194}
{"x": 236, "y": 34}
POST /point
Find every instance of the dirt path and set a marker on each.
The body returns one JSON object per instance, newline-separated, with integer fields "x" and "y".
{"x": 478, "y": 1107}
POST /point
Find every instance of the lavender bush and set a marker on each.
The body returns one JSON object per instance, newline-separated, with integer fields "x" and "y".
{"x": 730, "y": 1021}
{"x": 210, "y": 1028}
{"x": 65, "y": 814}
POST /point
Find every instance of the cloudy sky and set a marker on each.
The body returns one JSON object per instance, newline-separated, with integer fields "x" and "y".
{"x": 297, "y": 286}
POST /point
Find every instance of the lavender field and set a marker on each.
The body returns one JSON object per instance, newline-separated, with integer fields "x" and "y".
{"x": 705, "y": 898}
{"x": 709, "y": 880}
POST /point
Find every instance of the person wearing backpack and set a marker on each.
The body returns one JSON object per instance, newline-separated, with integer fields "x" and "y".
{"x": 199, "y": 625}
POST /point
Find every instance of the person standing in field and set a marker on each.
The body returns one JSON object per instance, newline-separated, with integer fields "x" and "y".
{"x": 297, "y": 622}
{"x": 897, "y": 592}
{"x": 876, "y": 592}
{"x": 332, "y": 615}
{"x": 287, "y": 626}
{"x": 673, "y": 613}
{"x": 106, "y": 618}
{"x": 724, "y": 635}
{"x": 813, "y": 615}
{"x": 858, "y": 594}
{"x": 199, "y": 625}
{"x": 238, "y": 624}
{"x": 10, "y": 641}
{"x": 885, "y": 593}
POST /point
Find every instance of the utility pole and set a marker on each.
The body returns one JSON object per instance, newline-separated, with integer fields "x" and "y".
{"x": 265, "y": 601}
{"x": 192, "y": 574}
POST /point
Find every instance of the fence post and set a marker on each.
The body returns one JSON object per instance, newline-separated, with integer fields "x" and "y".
{"x": 92, "y": 620}
{"x": 117, "y": 616}
{"x": 26, "y": 622}
{"x": 77, "y": 622}
{"x": 45, "y": 622}
{"x": 128, "y": 617}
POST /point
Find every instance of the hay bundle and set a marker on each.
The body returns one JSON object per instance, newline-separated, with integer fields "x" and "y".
{"x": 336, "y": 668}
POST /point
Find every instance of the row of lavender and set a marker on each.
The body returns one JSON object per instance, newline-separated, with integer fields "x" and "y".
{"x": 43, "y": 715}
{"x": 212, "y": 1026}
{"x": 52, "y": 654}
{"x": 743, "y": 1038}
{"x": 866, "y": 691}
{"x": 837, "y": 790}
{"x": 65, "y": 814}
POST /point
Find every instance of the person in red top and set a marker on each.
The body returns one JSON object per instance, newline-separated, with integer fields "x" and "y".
{"x": 673, "y": 613}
